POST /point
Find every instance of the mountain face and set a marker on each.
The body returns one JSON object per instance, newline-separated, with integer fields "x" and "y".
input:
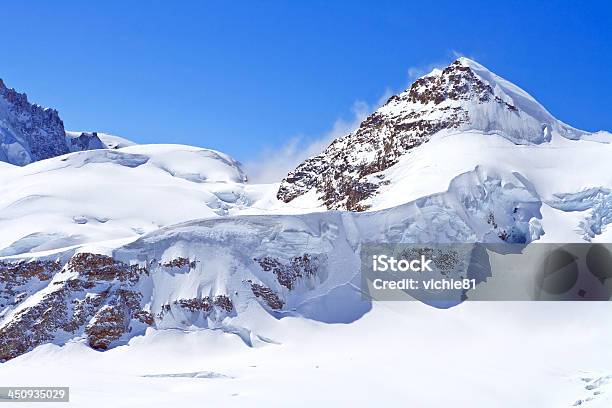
{"x": 30, "y": 133}
{"x": 463, "y": 96}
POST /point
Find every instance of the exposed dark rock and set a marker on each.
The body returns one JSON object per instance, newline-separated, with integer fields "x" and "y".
{"x": 95, "y": 267}
{"x": 34, "y": 133}
{"x": 99, "y": 302}
{"x": 287, "y": 274}
{"x": 17, "y": 276}
{"x": 34, "y": 325}
{"x": 108, "y": 325}
{"x": 196, "y": 304}
{"x": 206, "y": 304}
{"x": 224, "y": 303}
{"x": 83, "y": 310}
{"x": 179, "y": 263}
{"x": 30, "y": 132}
{"x": 346, "y": 174}
{"x": 145, "y": 317}
{"x": 85, "y": 141}
{"x": 267, "y": 294}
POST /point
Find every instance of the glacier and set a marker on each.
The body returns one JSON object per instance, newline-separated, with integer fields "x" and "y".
{"x": 167, "y": 259}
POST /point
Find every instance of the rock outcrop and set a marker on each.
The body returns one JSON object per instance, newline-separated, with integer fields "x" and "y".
{"x": 85, "y": 141}
{"x": 105, "y": 302}
{"x": 92, "y": 296}
{"x": 29, "y": 132}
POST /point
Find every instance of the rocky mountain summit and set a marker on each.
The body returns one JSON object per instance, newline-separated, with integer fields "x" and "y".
{"x": 463, "y": 96}
{"x": 29, "y": 132}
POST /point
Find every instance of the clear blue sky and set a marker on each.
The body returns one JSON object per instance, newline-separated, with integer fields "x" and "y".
{"x": 242, "y": 76}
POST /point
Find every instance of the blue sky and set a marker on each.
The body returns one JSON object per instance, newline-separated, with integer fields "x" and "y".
{"x": 247, "y": 77}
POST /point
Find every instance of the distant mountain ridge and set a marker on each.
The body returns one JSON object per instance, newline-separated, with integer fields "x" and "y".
{"x": 29, "y": 132}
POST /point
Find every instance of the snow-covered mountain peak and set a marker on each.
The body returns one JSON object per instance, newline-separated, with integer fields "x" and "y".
{"x": 519, "y": 97}
{"x": 495, "y": 80}
{"x": 463, "y": 97}
{"x": 470, "y": 86}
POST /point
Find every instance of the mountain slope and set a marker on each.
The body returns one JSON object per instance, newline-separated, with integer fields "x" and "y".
{"x": 29, "y": 133}
{"x": 100, "y": 195}
{"x": 463, "y": 97}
